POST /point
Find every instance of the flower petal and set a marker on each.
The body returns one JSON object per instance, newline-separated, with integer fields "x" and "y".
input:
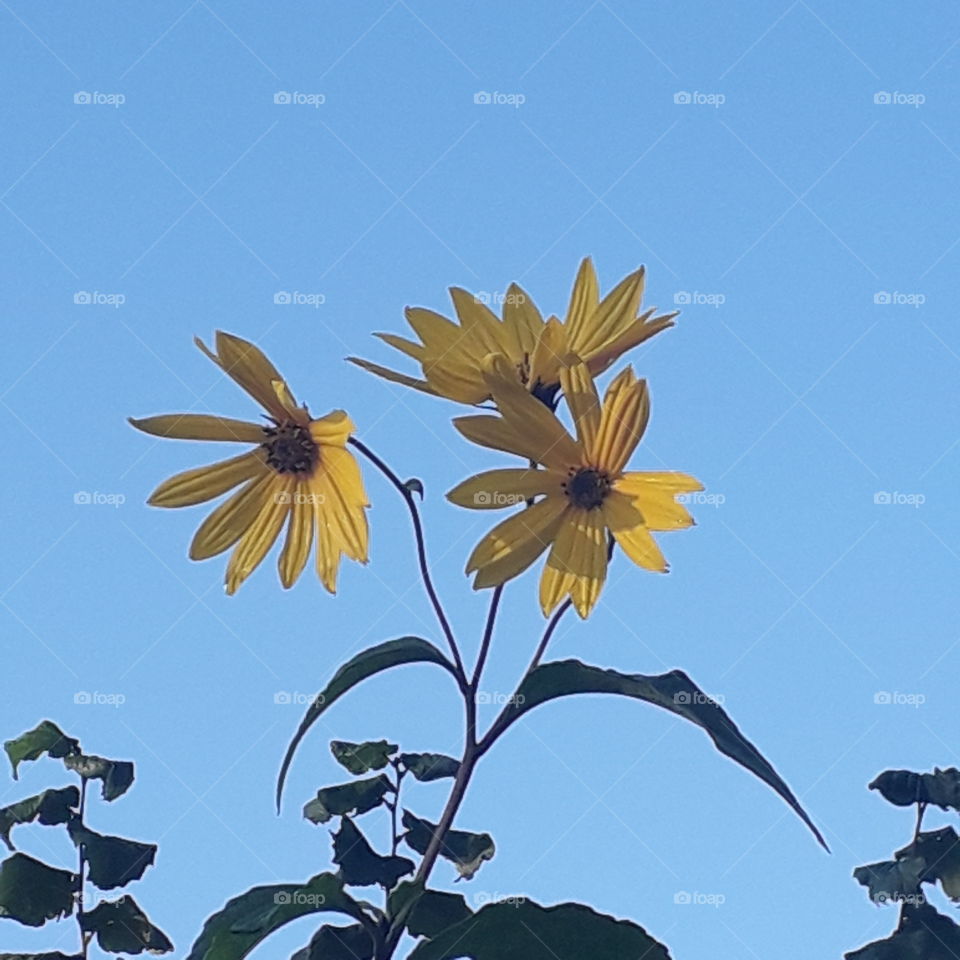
{"x": 642, "y": 329}
{"x": 411, "y": 349}
{"x": 577, "y": 564}
{"x": 522, "y": 320}
{"x": 551, "y": 348}
{"x": 260, "y": 536}
{"x": 478, "y": 323}
{"x": 584, "y": 300}
{"x": 205, "y": 483}
{"x": 581, "y": 396}
{"x": 296, "y": 550}
{"x": 327, "y": 552}
{"x": 494, "y": 432}
{"x": 200, "y": 426}
{"x": 226, "y": 525}
{"x": 626, "y": 410}
{"x": 613, "y": 314}
{"x": 627, "y": 525}
{"x": 392, "y": 375}
{"x": 513, "y": 544}
{"x": 496, "y": 489}
{"x": 339, "y": 481}
{"x": 653, "y": 494}
{"x": 335, "y": 428}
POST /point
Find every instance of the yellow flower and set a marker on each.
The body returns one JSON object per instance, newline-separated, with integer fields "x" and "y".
{"x": 585, "y": 491}
{"x": 300, "y": 472}
{"x": 451, "y": 356}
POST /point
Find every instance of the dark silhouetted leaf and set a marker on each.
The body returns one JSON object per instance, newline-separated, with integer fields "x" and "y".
{"x": 674, "y": 691}
{"x": 466, "y": 850}
{"x": 112, "y": 861}
{"x": 430, "y": 766}
{"x": 116, "y": 776}
{"x": 45, "y": 738}
{"x": 49, "y": 808}
{"x": 904, "y": 788}
{"x": 363, "y": 757}
{"x": 939, "y": 853}
{"x": 353, "y": 798}
{"x": 523, "y": 930}
{"x": 432, "y": 911}
{"x": 33, "y": 893}
{"x": 892, "y": 881}
{"x": 375, "y": 660}
{"x": 338, "y": 943}
{"x": 122, "y": 927}
{"x": 245, "y": 921}
{"x": 922, "y": 934}
{"x": 360, "y": 864}
{"x": 56, "y": 955}
{"x": 414, "y": 485}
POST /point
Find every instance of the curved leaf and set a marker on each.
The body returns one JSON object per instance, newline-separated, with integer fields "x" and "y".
{"x": 48, "y": 808}
{"x": 47, "y": 738}
{"x": 354, "y": 798}
{"x": 33, "y": 893}
{"x": 374, "y": 660}
{"x": 247, "y": 920}
{"x": 56, "y": 955}
{"x": 337, "y": 943}
{"x": 466, "y": 850}
{"x": 674, "y": 691}
{"x": 903, "y": 788}
{"x": 526, "y": 931}
{"x": 115, "y": 776}
{"x": 360, "y": 864}
{"x": 122, "y": 927}
{"x": 112, "y": 861}
{"x": 923, "y": 934}
{"x": 362, "y": 757}
{"x": 429, "y": 766}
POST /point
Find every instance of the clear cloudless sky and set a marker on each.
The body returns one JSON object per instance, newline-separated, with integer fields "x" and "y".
{"x": 788, "y": 174}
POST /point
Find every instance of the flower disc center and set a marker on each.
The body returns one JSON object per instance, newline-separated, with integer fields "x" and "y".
{"x": 290, "y": 448}
{"x": 587, "y": 488}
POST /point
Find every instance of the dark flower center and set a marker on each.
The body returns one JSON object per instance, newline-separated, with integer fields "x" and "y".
{"x": 290, "y": 448}
{"x": 587, "y": 488}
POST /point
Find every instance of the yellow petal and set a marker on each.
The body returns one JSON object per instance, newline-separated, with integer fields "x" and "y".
{"x": 200, "y": 426}
{"x": 249, "y": 367}
{"x": 577, "y": 564}
{"x": 513, "y": 544}
{"x": 583, "y": 302}
{"x": 411, "y": 349}
{"x": 328, "y": 552}
{"x": 638, "y": 332}
{"x": 478, "y": 323}
{"x": 496, "y": 489}
{"x": 522, "y": 320}
{"x": 460, "y": 381}
{"x": 335, "y": 428}
{"x": 260, "y": 536}
{"x": 550, "y": 350}
{"x": 543, "y": 434}
{"x": 392, "y": 375}
{"x": 338, "y": 480}
{"x": 626, "y": 410}
{"x": 494, "y": 432}
{"x": 626, "y": 524}
{"x": 653, "y": 495}
{"x": 581, "y": 397}
{"x": 636, "y": 483}
{"x": 437, "y": 332}
{"x": 205, "y": 483}
{"x": 613, "y": 314}
{"x": 293, "y": 558}
{"x": 224, "y": 527}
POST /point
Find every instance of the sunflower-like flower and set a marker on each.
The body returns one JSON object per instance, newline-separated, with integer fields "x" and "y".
{"x": 451, "y": 356}
{"x": 299, "y": 473}
{"x": 585, "y": 494}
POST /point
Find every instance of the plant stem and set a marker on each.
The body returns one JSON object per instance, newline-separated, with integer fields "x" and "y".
{"x": 921, "y": 810}
{"x": 84, "y": 941}
{"x": 421, "y": 556}
{"x": 547, "y": 634}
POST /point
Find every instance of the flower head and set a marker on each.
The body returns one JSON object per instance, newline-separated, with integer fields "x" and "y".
{"x": 580, "y": 498}
{"x": 299, "y": 473}
{"x": 451, "y": 355}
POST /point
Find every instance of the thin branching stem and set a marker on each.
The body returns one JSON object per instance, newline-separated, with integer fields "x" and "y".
{"x": 407, "y": 495}
{"x": 84, "y": 939}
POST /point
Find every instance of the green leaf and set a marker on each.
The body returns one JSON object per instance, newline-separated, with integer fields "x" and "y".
{"x": 47, "y": 738}
{"x": 48, "y": 808}
{"x": 116, "y": 775}
{"x": 247, "y": 920}
{"x": 111, "y": 861}
{"x": 353, "y": 798}
{"x": 363, "y": 757}
{"x": 430, "y": 766}
{"x": 466, "y": 850}
{"x": 939, "y": 852}
{"x": 435, "y": 911}
{"x": 56, "y": 955}
{"x": 122, "y": 927}
{"x": 892, "y": 881}
{"x": 922, "y": 934}
{"x": 33, "y": 893}
{"x": 374, "y": 660}
{"x": 674, "y": 691}
{"x": 360, "y": 865}
{"x": 903, "y": 788}
{"x": 338, "y": 943}
{"x": 523, "y": 930}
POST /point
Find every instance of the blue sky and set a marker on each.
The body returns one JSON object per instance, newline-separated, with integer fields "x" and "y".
{"x": 788, "y": 175}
